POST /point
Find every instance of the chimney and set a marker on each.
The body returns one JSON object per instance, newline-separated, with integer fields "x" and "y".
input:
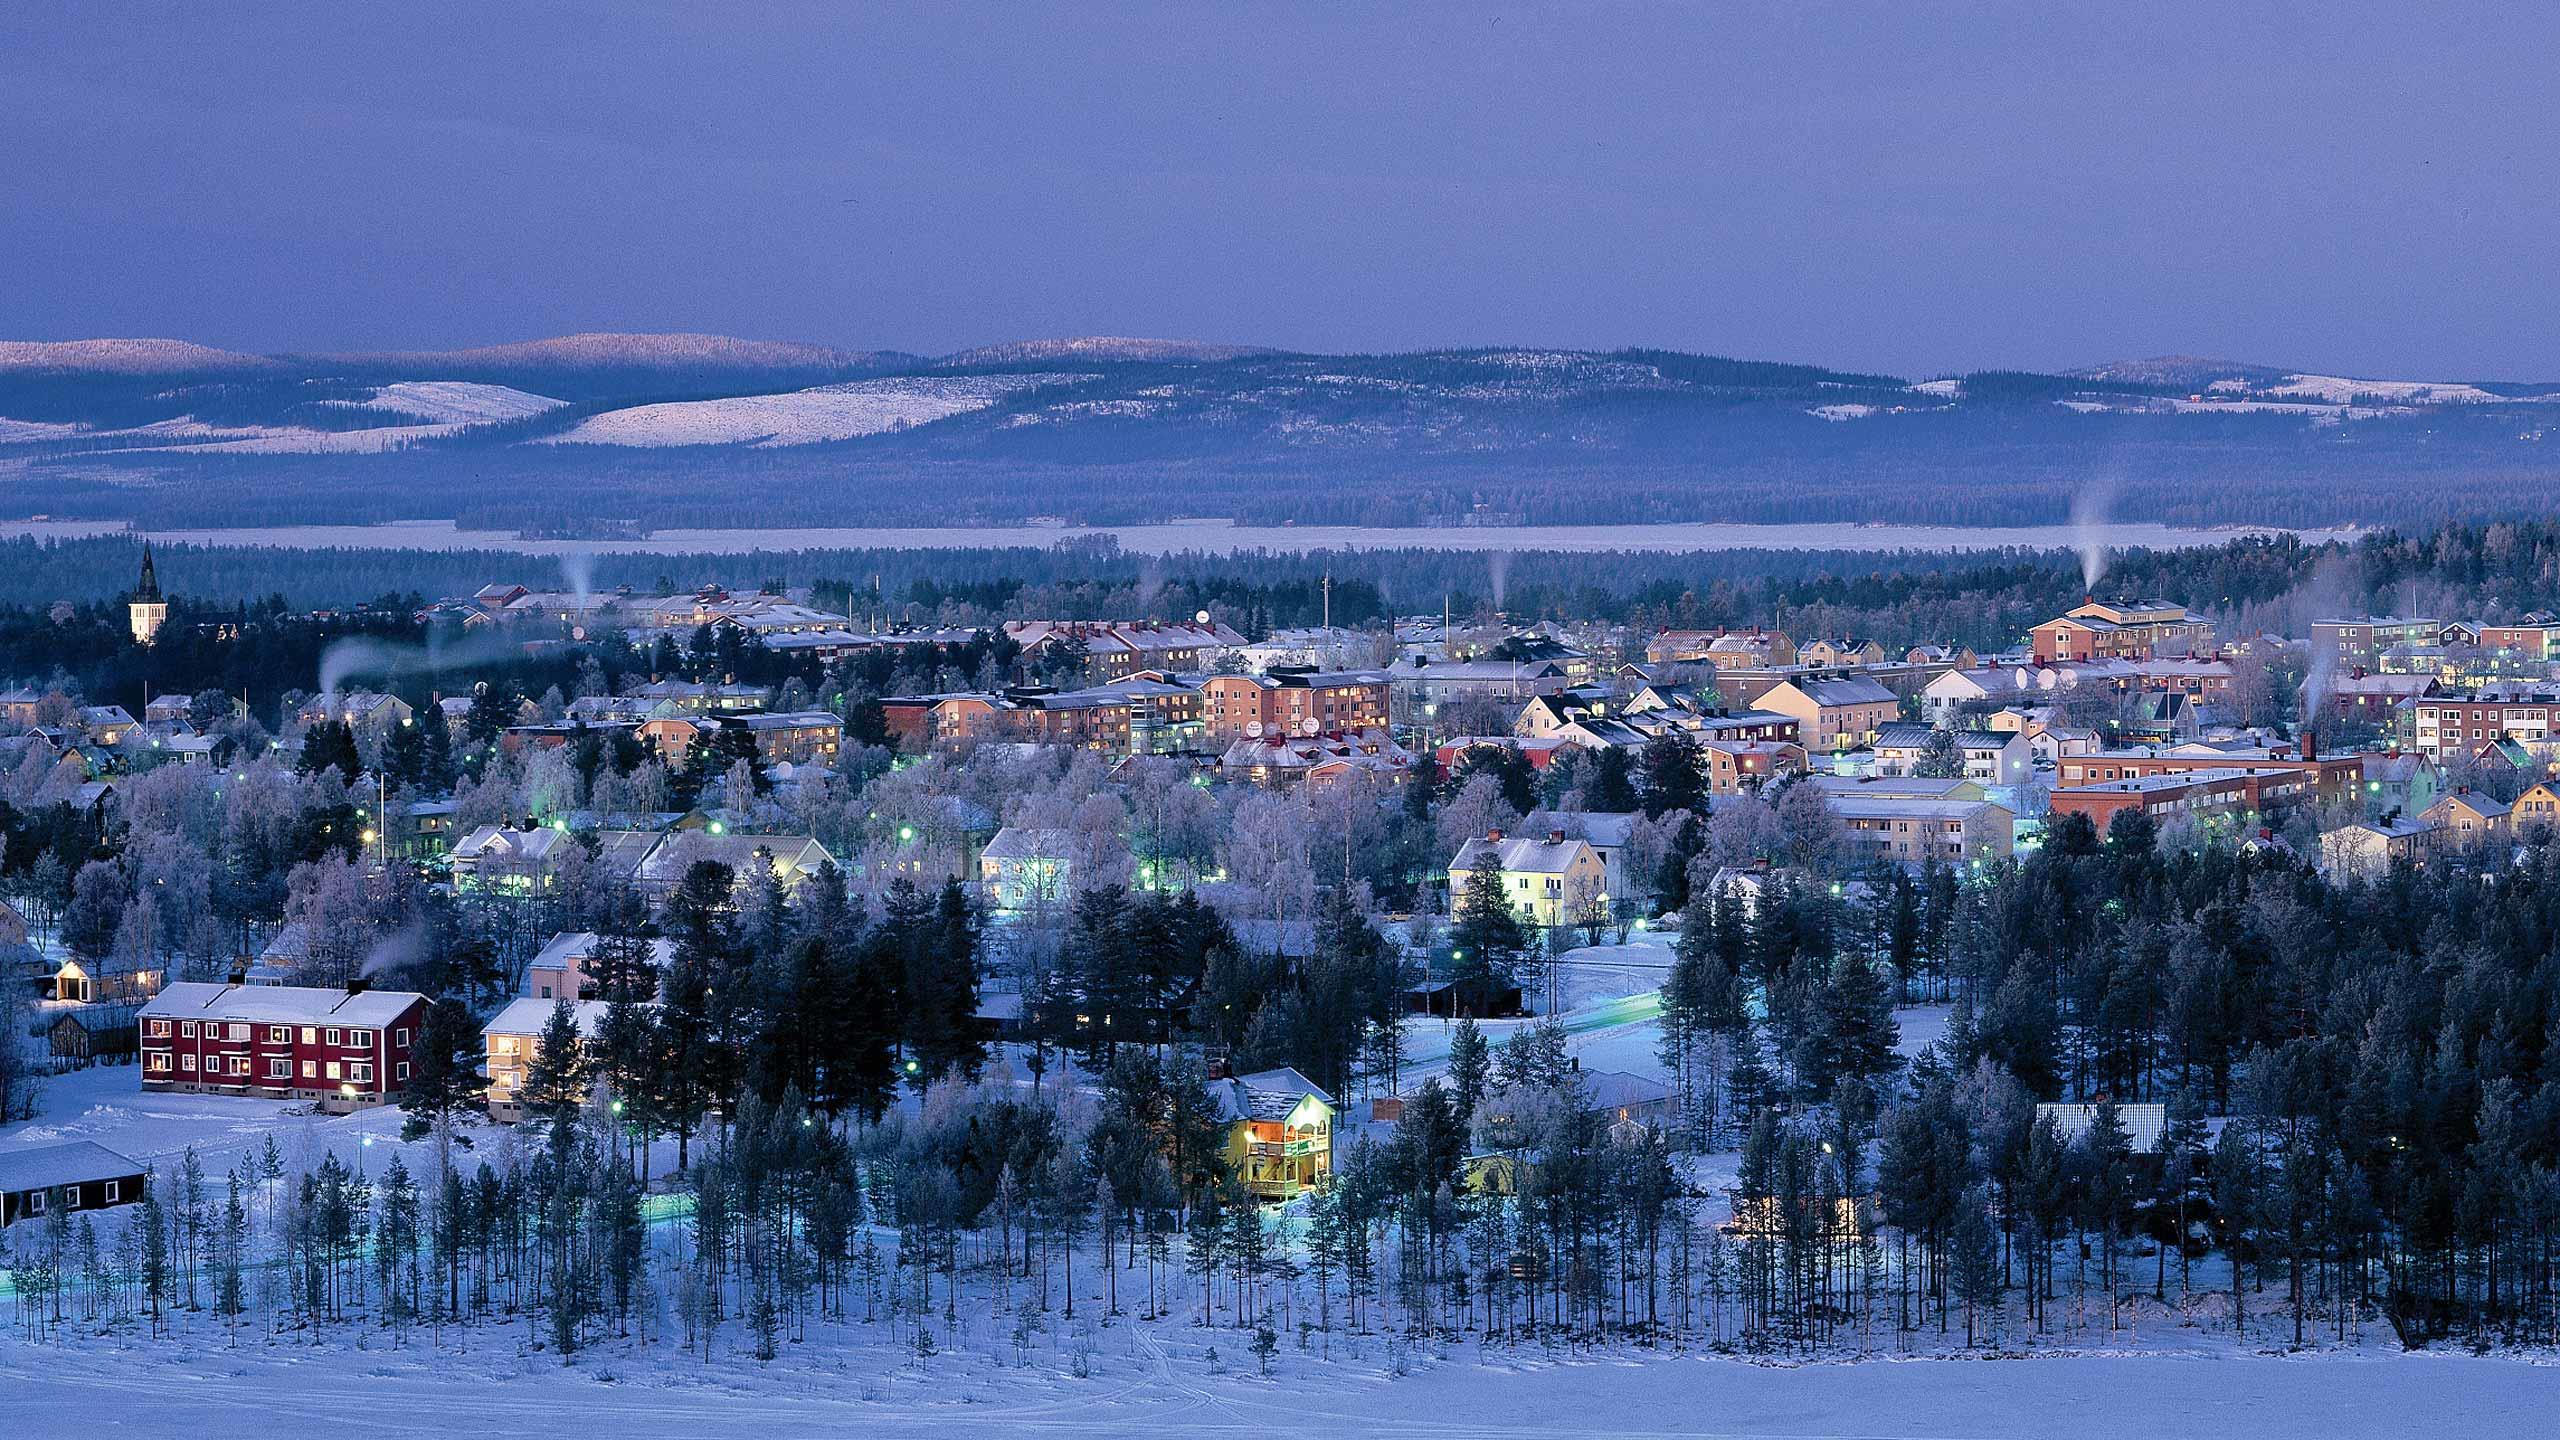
{"x": 1494, "y": 836}
{"x": 356, "y": 986}
{"x": 1555, "y": 836}
{"x": 2310, "y": 744}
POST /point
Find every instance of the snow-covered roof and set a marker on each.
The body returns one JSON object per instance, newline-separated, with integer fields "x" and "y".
{"x": 529, "y": 1017}
{"x": 280, "y": 1004}
{"x": 74, "y": 1162}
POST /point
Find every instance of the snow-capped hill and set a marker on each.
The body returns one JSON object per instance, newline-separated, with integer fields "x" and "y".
{"x": 1099, "y": 348}
{"x": 2189, "y": 372}
{"x": 801, "y": 417}
{"x": 619, "y": 351}
{"x": 125, "y": 357}
{"x": 458, "y": 402}
{"x": 2340, "y": 390}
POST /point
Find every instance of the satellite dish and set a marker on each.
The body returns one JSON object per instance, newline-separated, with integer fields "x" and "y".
{"x": 1202, "y": 617}
{"x": 1307, "y": 726}
{"x": 577, "y": 632}
{"x": 1253, "y": 729}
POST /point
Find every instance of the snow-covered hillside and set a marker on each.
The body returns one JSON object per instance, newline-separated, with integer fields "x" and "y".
{"x": 123, "y": 357}
{"x": 1091, "y": 348}
{"x": 801, "y": 417}
{"x": 458, "y": 402}
{"x": 2340, "y": 390}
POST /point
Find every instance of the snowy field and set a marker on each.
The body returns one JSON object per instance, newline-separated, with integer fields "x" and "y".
{"x": 1139, "y": 1384}
{"x": 801, "y": 417}
{"x": 443, "y": 408}
{"x": 2167, "y": 1372}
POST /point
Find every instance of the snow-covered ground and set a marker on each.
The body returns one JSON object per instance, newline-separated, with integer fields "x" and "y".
{"x": 459, "y": 402}
{"x": 1143, "y": 1381}
{"x": 443, "y": 408}
{"x": 801, "y": 417}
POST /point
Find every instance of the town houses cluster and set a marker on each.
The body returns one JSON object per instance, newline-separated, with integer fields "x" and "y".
{"x": 2369, "y": 742}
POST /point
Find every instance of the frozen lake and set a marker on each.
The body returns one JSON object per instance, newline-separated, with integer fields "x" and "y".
{"x": 1207, "y": 536}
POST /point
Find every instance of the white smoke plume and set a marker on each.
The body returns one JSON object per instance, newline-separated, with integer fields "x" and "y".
{"x": 578, "y": 567}
{"x": 1499, "y": 562}
{"x": 2089, "y": 514}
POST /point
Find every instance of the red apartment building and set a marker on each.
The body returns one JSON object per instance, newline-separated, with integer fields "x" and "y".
{"x": 346, "y": 1049}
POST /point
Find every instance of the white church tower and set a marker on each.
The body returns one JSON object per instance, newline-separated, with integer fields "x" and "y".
{"x": 147, "y": 609}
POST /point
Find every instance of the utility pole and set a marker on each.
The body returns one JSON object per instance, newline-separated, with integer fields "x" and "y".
{"x": 1328, "y": 601}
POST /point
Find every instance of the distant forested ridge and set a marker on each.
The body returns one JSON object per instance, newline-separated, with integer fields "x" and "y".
{"x": 1532, "y": 435}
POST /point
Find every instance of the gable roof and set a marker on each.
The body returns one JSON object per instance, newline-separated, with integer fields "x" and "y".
{"x": 74, "y": 1162}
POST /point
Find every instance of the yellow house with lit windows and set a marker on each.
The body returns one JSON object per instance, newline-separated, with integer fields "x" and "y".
{"x": 1549, "y": 879}
{"x": 1279, "y": 1131}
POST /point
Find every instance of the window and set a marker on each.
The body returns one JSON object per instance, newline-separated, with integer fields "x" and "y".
{"x": 333, "y": 1035}
{"x": 333, "y": 1070}
{"x": 310, "y": 1071}
{"x": 156, "y": 1061}
{"x": 70, "y": 1197}
{"x": 279, "y": 1069}
{"x": 310, "y": 1036}
{"x": 279, "y": 1035}
{"x": 159, "y": 1027}
{"x": 400, "y": 1071}
{"x": 239, "y": 1032}
{"x": 115, "y": 1191}
{"x": 400, "y": 1038}
{"x": 186, "y": 1062}
{"x": 35, "y": 1202}
{"x": 187, "y": 1030}
{"x": 361, "y": 1072}
{"x": 360, "y": 1038}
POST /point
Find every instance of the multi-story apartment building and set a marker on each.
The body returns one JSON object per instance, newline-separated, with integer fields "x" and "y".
{"x": 2363, "y": 640}
{"x": 2122, "y": 630}
{"x": 343, "y": 1048}
{"x": 2450, "y": 726}
{"x": 1295, "y": 700}
{"x": 1914, "y": 830}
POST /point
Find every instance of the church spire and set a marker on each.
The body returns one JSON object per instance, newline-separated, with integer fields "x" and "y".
{"x": 147, "y": 608}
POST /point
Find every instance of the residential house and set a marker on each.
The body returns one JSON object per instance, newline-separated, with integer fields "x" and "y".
{"x": 513, "y": 1039}
{"x": 559, "y": 970}
{"x": 1608, "y": 833}
{"x": 366, "y": 711}
{"x": 504, "y": 857}
{"x": 1280, "y": 761}
{"x": 790, "y": 858}
{"x": 2537, "y": 808}
{"x": 1733, "y": 766}
{"x": 1548, "y": 876}
{"x": 2368, "y": 849}
{"x": 2398, "y": 782}
{"x": 1279, "y": 1138}
{"x": 1027, "y": 869}
{"x": 2468, "y": 817}
{"x": 1833, "y": 715}
{"x": 343, "y": 1048}
{"x": 1992, "y": 757}
{"x": 75, "y": 1175}
{"x": 1830, "y": 653}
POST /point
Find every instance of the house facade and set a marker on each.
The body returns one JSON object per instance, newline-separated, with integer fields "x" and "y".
{"x": 346, "y": 1049}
